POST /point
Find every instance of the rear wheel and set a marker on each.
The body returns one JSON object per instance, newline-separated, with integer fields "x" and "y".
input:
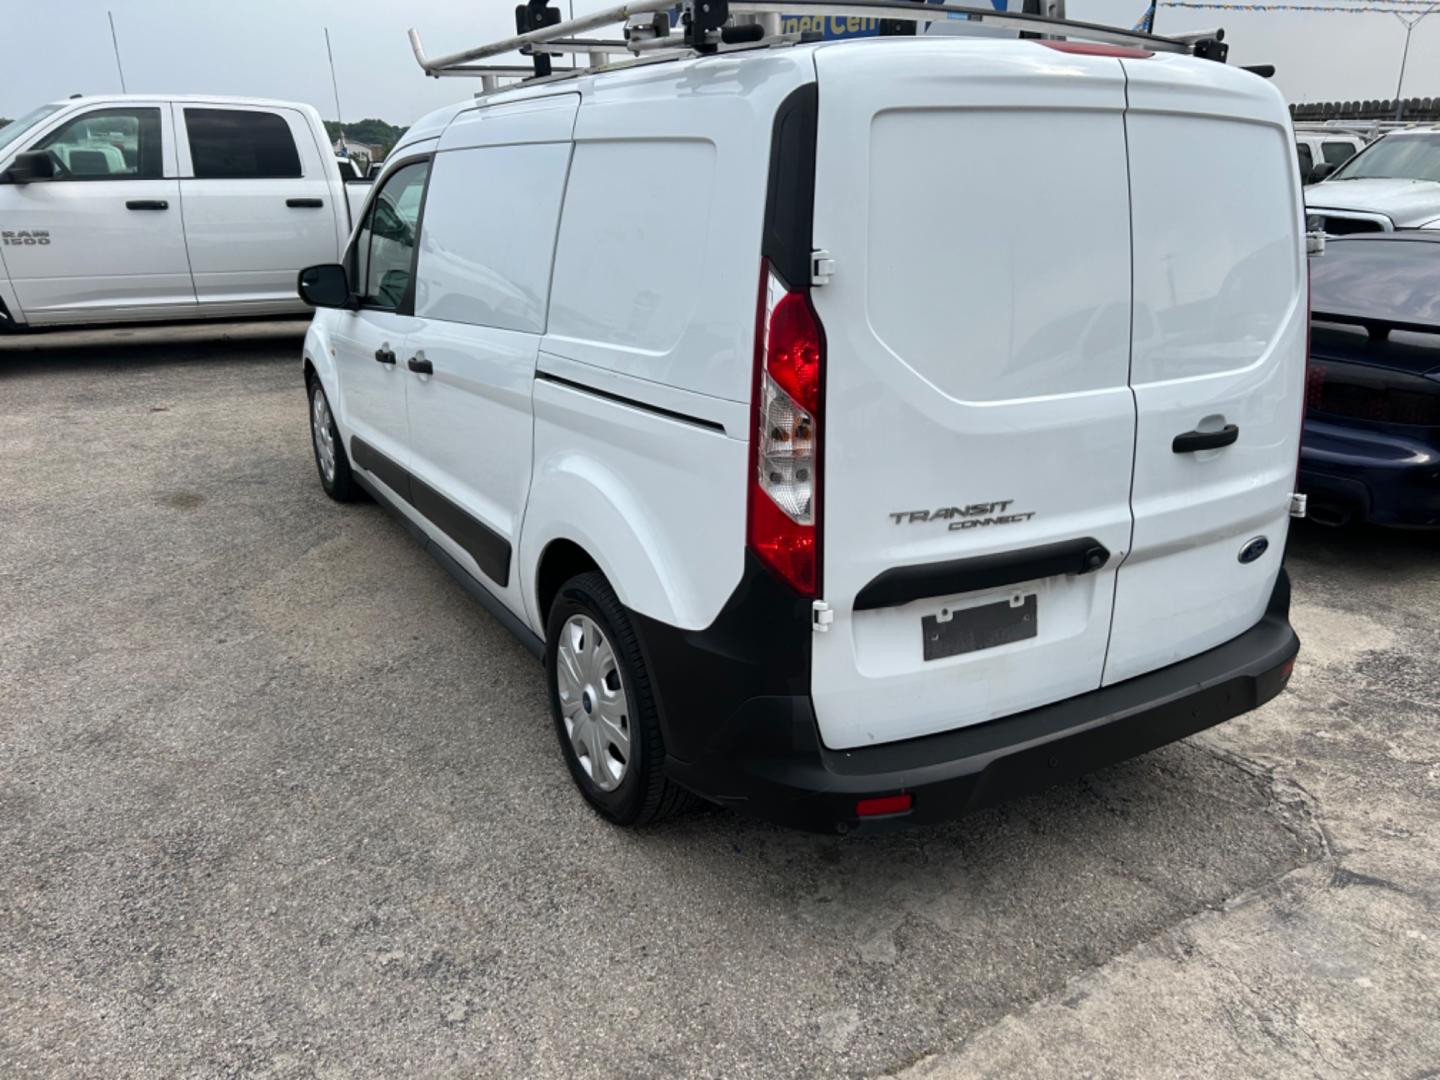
{"x": 330, "y": 459}
{"x": 603, "y": 707}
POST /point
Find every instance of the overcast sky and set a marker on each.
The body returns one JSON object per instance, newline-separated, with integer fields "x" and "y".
{"x": 276, "y": 48}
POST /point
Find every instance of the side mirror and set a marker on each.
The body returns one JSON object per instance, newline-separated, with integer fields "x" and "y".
{"x": 325, "y": 286}
{"x": 29, "y": 167}
{"x": 1321, "y": 171}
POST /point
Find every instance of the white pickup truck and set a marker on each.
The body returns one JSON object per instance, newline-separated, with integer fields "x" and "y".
{"x": 141, "y": 208}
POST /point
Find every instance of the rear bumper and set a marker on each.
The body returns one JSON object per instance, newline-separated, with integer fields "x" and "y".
{"x": 767, "y": 759}
{"x": 1383, "y": 477}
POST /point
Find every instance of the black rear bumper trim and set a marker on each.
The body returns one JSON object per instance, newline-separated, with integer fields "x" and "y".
{"x": 767, "y": 758}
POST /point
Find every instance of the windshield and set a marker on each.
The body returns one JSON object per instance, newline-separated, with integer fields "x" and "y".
{"x": 13, "y": 130}
{"x": 1406, "y": 157}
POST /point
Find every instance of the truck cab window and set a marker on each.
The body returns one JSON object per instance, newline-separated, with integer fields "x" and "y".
{"x": 1336, "y": 152}
{"x": 386, "y": 245}
{"x": 240, "y": 144}
{"x": 108, "y": 144}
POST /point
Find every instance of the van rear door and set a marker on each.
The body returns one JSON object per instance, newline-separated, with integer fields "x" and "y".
{"x": 1219, "y": 357}
{"x": 978, "y": 424}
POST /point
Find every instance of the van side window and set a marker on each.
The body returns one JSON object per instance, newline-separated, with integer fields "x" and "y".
{"x": 1337, "y": 152}
{"x": 385, "y": 248}
{"x": 235, "y": 144}
{"x": 489, "y": 235}
{"x": 108, "y": 144}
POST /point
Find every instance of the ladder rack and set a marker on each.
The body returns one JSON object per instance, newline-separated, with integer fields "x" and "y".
{"x": 707, "y": 26}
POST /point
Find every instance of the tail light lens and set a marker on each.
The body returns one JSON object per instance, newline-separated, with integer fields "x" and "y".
{"x": 784, "y": 507}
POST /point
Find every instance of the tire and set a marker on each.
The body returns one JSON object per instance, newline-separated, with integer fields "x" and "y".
{"x": 600, "y": 689}
{"x": 337, "y": 480}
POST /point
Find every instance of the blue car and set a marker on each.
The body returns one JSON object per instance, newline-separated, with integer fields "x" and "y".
{"x": 1371, "y": 447}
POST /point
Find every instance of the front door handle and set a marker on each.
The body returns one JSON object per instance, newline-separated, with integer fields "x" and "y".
{"x": 147, "y": 204}
{"x": 420, "y": 365}
{"x": 308, "y": 204}
{"x": 385, "y": 356}
{"x": 1191, "y": 441}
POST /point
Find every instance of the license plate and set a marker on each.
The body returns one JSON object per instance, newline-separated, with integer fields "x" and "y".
{"x": 971, "y": 629}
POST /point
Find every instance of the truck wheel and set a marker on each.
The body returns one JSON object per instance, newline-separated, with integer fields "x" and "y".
{"x": 330, "y": 459}
{"x": 603, "y": 708}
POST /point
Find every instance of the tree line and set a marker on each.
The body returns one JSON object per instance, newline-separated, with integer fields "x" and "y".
{"x": 370, "y": 131}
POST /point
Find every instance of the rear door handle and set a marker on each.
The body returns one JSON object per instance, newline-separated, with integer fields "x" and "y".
{"x": 305, "y": 204}
{"x": 147, "y": 204}
{"x": 420, "y": 366}
{"x": 385, "y": 356}
{"x": 1192, "y": 441}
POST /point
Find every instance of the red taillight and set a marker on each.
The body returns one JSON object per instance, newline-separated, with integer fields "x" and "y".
{"x": 1090, "y": 48}
{"x": 886, "y": 804}
{"x": 783, "y": 525}
{"x": 792, "y": 345}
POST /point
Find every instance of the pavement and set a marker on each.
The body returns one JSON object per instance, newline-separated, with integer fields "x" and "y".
{"x": 278, "y": 799}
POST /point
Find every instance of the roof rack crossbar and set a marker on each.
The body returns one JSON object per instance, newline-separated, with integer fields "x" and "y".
{"x": 561, "y": 30}
{"x": 646, "y": 29}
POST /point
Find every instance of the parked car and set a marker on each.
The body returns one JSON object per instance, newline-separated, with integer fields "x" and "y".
{"x": 1329, "y": 148}
{"x": 1394, "y": 183}
{"x": 817, "y": 504}
{"x": 1371, "y": 450}
{"x": 140, "y": 207}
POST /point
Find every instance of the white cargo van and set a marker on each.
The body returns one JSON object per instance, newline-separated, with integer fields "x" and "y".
{"x": 834, "y": 480}
{"x": 134, "y": 208}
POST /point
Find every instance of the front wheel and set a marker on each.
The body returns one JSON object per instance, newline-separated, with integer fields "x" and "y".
{"x": 330, "y": 459}
{"x": 603, "y": 708}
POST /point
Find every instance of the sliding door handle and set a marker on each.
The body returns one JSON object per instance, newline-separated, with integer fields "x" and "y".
{"x": 305, "y": 204}
{"x": 1191, "y": 441}
{"x": 420, "y": 365}
{"x": 146, "y": 204}
{"x": 385, "y": 356}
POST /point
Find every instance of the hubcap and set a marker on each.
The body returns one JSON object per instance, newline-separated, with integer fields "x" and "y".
{"x": 320, "y": 429}
{"x": 592, "y": 702}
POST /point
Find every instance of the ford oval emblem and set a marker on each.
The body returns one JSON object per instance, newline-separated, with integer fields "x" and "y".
{"x": 1254, "y": 549}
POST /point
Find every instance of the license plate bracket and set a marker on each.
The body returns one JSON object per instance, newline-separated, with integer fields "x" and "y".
{"x": 954, "y": 632}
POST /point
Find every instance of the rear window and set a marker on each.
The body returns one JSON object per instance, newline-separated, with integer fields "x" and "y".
{"x": 1381, "y": 280}
{"x": 231, "y": 144}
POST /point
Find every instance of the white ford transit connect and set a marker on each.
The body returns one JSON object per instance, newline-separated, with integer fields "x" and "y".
{"x": 846, "y": 464}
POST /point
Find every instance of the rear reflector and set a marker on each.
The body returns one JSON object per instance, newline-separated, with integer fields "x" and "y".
{"x": 1090, "y": 48}
{"x": 886, "y": 804}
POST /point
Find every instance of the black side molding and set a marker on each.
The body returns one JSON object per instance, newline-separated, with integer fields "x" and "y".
{"x": 489, "y": 549}
{"x": 503, "y": 615}
{"x": 905, "y": 583}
